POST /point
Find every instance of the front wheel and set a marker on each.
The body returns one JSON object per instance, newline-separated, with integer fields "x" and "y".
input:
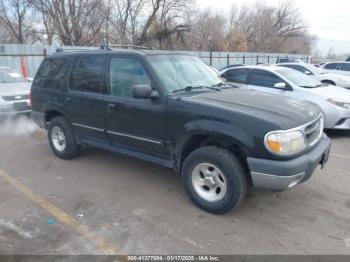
{"x": 214, "y": 179}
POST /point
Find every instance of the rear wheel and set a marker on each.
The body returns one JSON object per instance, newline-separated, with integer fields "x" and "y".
{"x": 214, "y": 179}
{"x": 61, "y": 138}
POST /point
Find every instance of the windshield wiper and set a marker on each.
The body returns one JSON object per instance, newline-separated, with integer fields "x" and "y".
{"x": 190, "y": 88}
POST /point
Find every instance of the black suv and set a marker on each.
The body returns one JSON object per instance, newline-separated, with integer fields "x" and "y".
{"x": 172, "y": 109}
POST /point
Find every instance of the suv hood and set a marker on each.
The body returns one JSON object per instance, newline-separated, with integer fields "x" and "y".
{"x": 14, "y": 88}
{"x": 283, "y": 111}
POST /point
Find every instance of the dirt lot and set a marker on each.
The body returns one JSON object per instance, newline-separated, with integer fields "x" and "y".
{"x": 107, "y": 203}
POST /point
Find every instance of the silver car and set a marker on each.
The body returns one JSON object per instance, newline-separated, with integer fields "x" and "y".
{"x": 324, "y": 77}
{"x": 342, "y": 68}
{"x": 334, "y": 101}
{"x": 14, "y": 93}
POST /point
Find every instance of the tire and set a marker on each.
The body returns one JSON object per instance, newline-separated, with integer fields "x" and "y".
{"x": 328, "y": 82}
{"x": 204, "y": 192}
{"x": 61, "y": 138}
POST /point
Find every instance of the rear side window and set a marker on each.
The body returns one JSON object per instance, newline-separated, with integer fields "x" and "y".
{"x": 238, "y": 76}
{"x": 87, "y": 74}
{"x": 263, "y": 78}
{"x": 345, "y": 67}
{"x": 52, "y": 73}
{"x": 331, "y": 66}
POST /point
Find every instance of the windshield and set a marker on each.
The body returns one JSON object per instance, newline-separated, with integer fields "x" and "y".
{"x": 299, "y": 79}
{"x": 7, "y": 76}
{"x": 177, "y": 72}
{"x": 313, "y": 69}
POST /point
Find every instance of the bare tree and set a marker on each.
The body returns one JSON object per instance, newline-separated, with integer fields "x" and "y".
{"x": 13, "y": 15}
{"x": 76, "y": 22}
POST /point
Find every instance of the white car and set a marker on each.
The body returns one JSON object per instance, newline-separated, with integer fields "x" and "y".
{"x": 342, "y": 68}
{"x": 324, "y": 77}
{"x": 333, "y": 101}
{"x": 14, "y": 93}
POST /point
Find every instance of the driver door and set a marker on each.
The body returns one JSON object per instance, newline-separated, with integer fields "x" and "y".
{"x": 136, "y": 124}
{"x": 262, "y": 80}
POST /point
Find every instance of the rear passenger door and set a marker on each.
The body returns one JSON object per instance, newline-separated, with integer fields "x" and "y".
{"x": 133, "y": 123}
{"x": 237, "y": 76}
{"x": 83, "y": 101}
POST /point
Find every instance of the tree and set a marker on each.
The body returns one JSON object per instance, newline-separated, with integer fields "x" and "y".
{"x": 13, "y": 15}
{"x": 76, "y": 22}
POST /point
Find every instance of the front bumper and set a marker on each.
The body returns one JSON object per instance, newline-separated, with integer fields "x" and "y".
{"x": 281, "y": 175}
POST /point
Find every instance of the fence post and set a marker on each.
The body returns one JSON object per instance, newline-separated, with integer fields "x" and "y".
{"x": 211, "y": 58}
{"x": 257, "y": 59}
{"x": 45, "y": 52}
{"x": 228, "y": 59}
{"x": 268, "y": 59}
{"x": 243, "y": 59}
{"x": 278, "y": 59}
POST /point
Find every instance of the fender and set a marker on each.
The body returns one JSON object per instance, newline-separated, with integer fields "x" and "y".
{"x": 214, "y": 129}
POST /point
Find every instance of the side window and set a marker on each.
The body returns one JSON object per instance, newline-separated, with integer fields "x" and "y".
{"x": 87, "y": 74}
{"x": 263, "y": 78}
{"x": 124, "y": 74}
{"x": 51, "y": 74}
{"x": 345, "y": 67}
{"x": 238, "y": 76}
{"x": 331, "y": 66}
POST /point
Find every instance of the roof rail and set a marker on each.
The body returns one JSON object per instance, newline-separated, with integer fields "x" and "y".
{"x": 101, "y": 48}
{"x": 131, "y": 47}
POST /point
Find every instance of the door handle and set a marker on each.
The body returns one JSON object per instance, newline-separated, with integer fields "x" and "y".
{"x": 67, "y": 99}
{"x": 111, "y": 107}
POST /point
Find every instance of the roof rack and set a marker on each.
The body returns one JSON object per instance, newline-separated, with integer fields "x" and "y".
{"x": 102, "y": 48}
{"x": 131, "y": 47}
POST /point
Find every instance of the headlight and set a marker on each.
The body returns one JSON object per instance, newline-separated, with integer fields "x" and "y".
{"x": 285, "y": 142}
{"x": 340, "y": 103}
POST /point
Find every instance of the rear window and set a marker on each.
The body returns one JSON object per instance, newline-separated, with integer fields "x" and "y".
{"x": 51, "y": 74}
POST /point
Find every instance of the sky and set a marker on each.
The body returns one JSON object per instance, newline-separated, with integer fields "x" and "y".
{"x": 329, "y": 20}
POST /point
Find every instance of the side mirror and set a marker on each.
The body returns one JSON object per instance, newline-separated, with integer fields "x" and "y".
{"x": 280, "y": 85}
{"x": 144, "y": 91}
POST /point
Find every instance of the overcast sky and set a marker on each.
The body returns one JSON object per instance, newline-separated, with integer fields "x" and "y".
{"x": 329, "y": 20}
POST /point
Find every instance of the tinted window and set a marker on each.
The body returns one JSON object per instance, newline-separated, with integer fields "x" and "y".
{"x": 124, "y": 74}
{"x": 345, "y": 67}
{"x": 295, "y": 67}
{"x": 52, "y": 73}
{"x": 331, "y": 66}
{"x": 239, "y": 76}
{"x": 263, "y": 78}
{"x": 87, "y": 74}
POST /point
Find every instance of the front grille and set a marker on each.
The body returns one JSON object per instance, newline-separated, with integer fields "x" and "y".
{"x": 15, "y": 97}
{"x": 313, "y": 131}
